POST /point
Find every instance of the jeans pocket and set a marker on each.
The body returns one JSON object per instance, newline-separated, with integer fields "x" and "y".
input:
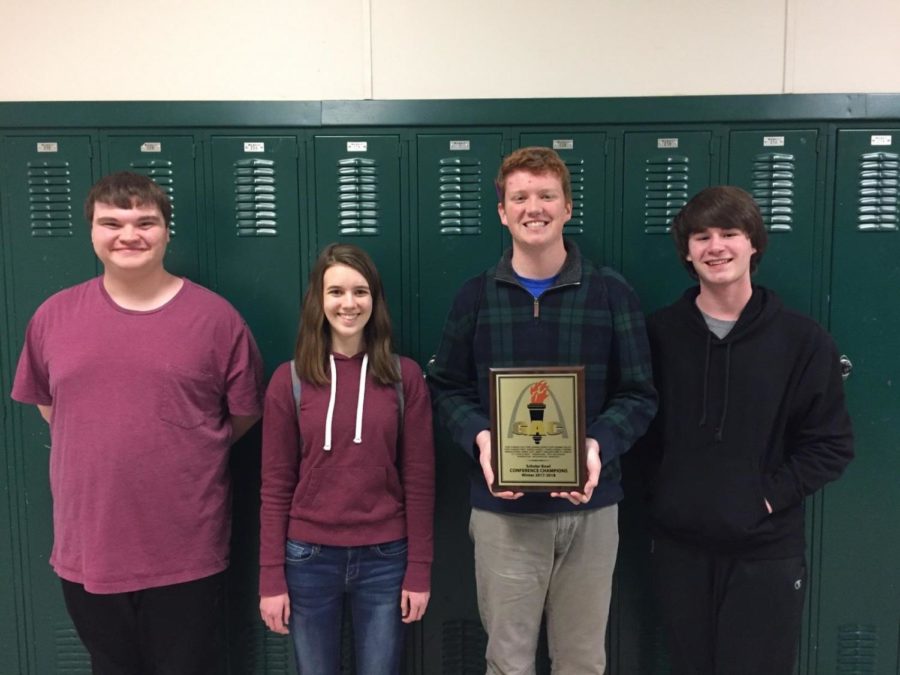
{"x": 391, "y": 549}
{"x": 299, "y": 552}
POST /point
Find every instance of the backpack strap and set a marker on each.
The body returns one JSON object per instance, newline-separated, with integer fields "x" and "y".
{"x": 398, "y": 385}
{"x": 295, "y": 386}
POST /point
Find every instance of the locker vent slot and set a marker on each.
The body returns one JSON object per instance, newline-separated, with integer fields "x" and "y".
{"x": 878, "y": 191}
{"x": 576, "y": 171}
{"x": 463, "y": 642}
{"x": 162, "y": 172}
{"x": 460, "y": 185}
{"x": 71, "y": 656}
{"x": 358, "y": 208}
{"x": 857, "y": 649}
{"x": 773, "y": 189}
{"x": 50, "y": 199}
{"x": 255, "y": 198}
{"x": 665, "y": 191}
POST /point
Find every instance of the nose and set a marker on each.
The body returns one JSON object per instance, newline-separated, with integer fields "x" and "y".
{"x": 533, "y": 204}
{"x": 128, "y": 233}
{"x": 716, "y": 241}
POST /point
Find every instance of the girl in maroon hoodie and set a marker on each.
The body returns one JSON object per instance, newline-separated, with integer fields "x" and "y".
{"x": 347, "y": 477}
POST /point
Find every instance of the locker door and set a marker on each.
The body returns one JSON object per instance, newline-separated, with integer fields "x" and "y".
{"x": 779, "y": 169}
{"x": 859, "y": 595}
{"x": 257, "y": 236}
{"x": 585, "y": 156}
{"x": 459, "y": 231}
{"x": 256, "y": 264}
{"x": 358, "y": 198}
{"x": 44, "y": 182}
{"x": 662, "y": 171}
{"x": 459, "y": 235}
{"x": 170, "y": 161}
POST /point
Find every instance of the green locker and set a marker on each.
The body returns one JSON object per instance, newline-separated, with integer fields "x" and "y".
{"x": 662, "y": 171}
{"x": 585, "y": 156}
{"x": 170, "y": 161}
{"x": 257, "y": 265}
{"x": 859, "y": 595}
{"x": 779, "y": 168}
{"x": 10, "y": 604}
{"x": 358, "y": 201}
{"x": 459, "y": 236}
{"x": 459, "y": 231}
{"x": 44, "y": 182}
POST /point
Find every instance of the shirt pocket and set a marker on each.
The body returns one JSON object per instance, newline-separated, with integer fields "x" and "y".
{"x": 188, "y": 396}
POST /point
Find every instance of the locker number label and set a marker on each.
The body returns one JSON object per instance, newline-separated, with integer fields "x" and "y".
{"x": 253, "y": 146}
{"x": 151, "y": 147}
{"x": 357, "y": 146}
{"x": 667, "y": 143}
{"x": 456, "y": 146}
{"x": 773, "y": 141}
{"x": 563, "y": 144}
{"x": 48, "y": 147}
{"x": 881, "y": 140}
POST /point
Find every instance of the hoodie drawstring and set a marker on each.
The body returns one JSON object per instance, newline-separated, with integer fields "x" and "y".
{"x": 706, "y": 379}
{"x": 357, "y": 438}
{"x": 725, "y": 393}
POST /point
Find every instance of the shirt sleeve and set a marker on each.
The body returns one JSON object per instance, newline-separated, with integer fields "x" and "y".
{"x": 244, "y": 374}
{"x": 632, "y": 400}
{"x": 821, "y": 435}
{"x": 452, "y": 376}
{"x": 32, "y": 380}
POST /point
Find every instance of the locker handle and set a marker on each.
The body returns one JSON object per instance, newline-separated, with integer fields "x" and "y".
{"x": 846, "y": 366}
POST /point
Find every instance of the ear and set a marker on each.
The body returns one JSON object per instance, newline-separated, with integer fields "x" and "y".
{"x": 688, "y": 258}
{"x": 502, "y": 213}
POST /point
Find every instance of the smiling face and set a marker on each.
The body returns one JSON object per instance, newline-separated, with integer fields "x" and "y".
{"x": 721, "y": 256}
{"x": 129, "y": 241}
{"x": 535, "y": 210}
{"x": 347, "y": 303}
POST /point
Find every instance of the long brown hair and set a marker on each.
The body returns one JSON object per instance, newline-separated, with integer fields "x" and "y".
{"x": 314, "y": 337}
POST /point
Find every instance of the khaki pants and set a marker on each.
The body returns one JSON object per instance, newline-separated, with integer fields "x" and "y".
{"x": 560, "y": 564}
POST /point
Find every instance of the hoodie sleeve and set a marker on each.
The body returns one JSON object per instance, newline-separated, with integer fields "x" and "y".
{"x": 417, "y": 465}
{"x": 632, "y": 399}
{"x": 452, "y": 375}
{"x": 821, "y": 436}
{"x": 280, "y": 470}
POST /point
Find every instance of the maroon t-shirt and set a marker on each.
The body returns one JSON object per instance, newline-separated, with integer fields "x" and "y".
{"x": 139, "y": 431}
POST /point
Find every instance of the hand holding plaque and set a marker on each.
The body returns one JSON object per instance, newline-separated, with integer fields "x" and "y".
{"x": 538, "y": 429}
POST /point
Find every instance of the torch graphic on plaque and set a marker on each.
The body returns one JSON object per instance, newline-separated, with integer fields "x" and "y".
{"x": 538, "y": 428}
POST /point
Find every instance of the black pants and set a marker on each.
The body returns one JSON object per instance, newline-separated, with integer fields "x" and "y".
{"x": 726, "y": 615}
{"x": 170, "y": 630}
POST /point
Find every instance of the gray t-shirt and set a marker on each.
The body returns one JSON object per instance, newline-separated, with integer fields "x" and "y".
{"x": 718, "y": 327}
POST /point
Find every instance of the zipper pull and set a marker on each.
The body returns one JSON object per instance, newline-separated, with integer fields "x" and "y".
{"x": 537, "y": 309}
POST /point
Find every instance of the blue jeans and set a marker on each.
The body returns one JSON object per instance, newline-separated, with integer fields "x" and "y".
{"x": 318, "y": 577}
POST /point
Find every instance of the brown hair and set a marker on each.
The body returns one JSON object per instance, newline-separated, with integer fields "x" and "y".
{"x": 126, "y": 190}
{"x": 314, "y": 337}
{"x": 723, "y": 206}
{"x": 535, "y": 160}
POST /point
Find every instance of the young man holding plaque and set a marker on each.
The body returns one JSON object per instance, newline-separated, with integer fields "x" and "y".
{"x": 543, "y": 305}
{"x": 146, "y": 379}
{"x": 752, "y": 420}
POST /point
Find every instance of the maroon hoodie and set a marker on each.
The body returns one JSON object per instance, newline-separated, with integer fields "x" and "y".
{"x": 364, "y": 490}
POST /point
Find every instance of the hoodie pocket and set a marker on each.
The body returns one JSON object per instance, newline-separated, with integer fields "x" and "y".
{"x": 352, "y": 494}
{"x": 707, "y": 494}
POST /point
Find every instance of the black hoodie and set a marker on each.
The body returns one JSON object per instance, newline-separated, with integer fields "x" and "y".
{"x": 756, "y": 416}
